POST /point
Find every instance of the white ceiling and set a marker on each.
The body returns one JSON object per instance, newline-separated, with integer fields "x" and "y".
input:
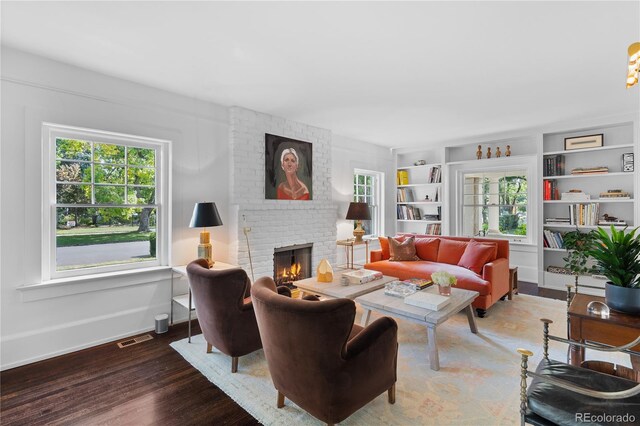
{"x": 396, "y": 74}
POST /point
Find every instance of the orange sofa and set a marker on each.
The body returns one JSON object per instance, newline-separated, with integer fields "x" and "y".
{"x": 438, "y": 253}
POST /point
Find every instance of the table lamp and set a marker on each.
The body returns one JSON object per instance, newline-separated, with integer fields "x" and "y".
{"x": 358, "y": 212}
{"x": 205, "y": 214}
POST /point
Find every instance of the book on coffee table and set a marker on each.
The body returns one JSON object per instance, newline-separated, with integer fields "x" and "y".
{"x": 362, "y": 276}
{"x": 426, "y": 300}
{"x": 419, "y": 283}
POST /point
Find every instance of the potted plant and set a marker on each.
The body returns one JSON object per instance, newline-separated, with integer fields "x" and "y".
{"x": 616, "y": 256}
{"x": 577, "y": 245}
{"x": 444, "y": 280}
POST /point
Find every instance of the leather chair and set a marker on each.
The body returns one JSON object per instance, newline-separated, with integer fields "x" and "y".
{"x": 320, "y": 359}
{"x": 225, "y": 311}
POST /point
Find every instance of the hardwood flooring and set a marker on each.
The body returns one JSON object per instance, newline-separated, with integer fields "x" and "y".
{"x": 147, "y": 383}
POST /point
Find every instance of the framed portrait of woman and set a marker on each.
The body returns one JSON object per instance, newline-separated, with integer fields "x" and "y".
{"x": 288, "y": 169}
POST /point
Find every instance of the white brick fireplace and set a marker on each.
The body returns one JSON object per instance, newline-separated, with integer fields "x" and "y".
{"x": 278, "y": 223}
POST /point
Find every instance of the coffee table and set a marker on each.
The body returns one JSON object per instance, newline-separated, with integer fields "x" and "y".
{"x": 336, "y": 290}
{"x": 395, "y": 306}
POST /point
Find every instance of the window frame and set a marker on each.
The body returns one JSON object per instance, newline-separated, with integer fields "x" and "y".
{"x": 377, "y": 196}
{"x": 50, "y": 133}
{"x": 505, "y": 165}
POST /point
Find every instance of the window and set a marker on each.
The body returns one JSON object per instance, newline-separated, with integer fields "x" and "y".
{"x": 106, "y": 195}
{"x": 495, "y": 204}
{"x": 367, "y": 188}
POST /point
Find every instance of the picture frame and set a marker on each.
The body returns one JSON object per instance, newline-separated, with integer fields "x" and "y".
{"x": 288, "y": 169}
{"x": 582, "y": 142}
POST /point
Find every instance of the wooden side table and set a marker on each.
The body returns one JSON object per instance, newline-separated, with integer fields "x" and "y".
{"x": 186, "y": 300}
{"x": 513, "y": 282}
{"x": 348, "y": 248}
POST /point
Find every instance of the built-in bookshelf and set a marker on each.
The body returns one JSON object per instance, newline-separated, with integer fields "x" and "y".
{"x": 419, "y": 195}
{"x": 584, "y": 189}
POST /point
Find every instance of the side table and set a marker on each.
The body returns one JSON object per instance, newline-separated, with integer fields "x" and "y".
{"x": 186, "y": 300}
{"x": 513, "y": 282}
{"x": 348, "y": 249}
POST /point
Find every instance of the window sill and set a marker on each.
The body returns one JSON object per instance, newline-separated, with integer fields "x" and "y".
{"x": 89, "y": 283}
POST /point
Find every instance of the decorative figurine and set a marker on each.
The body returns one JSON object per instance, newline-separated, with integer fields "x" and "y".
{"x": 420, "y": 163}
{"x": 498, "y": 153}
{"x": 489, "y": 152}
{"x": 479, "y": 152}
{"x": 426, "y": 198}
{"x": 508, "y": 151}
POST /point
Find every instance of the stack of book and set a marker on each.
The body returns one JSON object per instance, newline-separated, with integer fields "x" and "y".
{"x": 405, "y": 195}
{"x": 557, "y": 221}
{"x": 554, "y": 165}
{"x": 362, "y": 276}
{"x": 402, "y": 177}
{"x": 616, "y": 194}
{"x": 418, "y": 283}
{"x": 590, "y": 170}
{"x": 550, "y": 189}
{"x": 617, "y": 222}
{"x": 433, "y": 229}
{"x": 409, "y": 213}
{"x": 553, "y": 239}
{"x": 575, "y": 195}
{"x": 434, "y": 175}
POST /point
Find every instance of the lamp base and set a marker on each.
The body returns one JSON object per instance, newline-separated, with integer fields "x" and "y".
{"x": 358, "y": 233}
{"x": 205, "y": 249}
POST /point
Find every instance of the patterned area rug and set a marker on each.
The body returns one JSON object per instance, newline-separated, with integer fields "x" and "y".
{"x": 478, "y": 381}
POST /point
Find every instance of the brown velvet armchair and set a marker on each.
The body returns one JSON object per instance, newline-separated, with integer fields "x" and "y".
{"x": 225, "y": 312}
{"x": 321, "y": 360}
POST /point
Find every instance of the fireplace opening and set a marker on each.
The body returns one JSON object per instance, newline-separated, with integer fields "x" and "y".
{"x": 291, "y": 263}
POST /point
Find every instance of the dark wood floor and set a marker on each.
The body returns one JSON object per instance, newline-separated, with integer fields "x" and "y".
{"x": 148, "y": 383}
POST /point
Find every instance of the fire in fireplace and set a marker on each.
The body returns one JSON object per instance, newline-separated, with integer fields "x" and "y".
{"x": 291, "y": 263}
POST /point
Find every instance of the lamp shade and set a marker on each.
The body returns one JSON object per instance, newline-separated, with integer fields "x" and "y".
{"x": 358, "y": 211}
{"x": 205, "y": 214}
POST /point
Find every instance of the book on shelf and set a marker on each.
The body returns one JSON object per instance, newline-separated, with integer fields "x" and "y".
{"x": 575, "y": 195}
{"x": 434, "y": 175}
{"x": 557, "y": 221}
{"x": 419, "y": 283}
{"x": 405, "y": 195}
{"x": 553, "y": 239}
{"x": 615, "y": 194}
{"x": 584, "y": 214}
{"x": 409, "y": 213}
{"x": 431, "y": 301}
{"x": 402, "y": 177}
{"x": 362, "y": 276}
{"x": 589, "y": 170}
{"x": 612, "y": 222}
{"x": 550, "y": 190}
{"x": 554, "y": 165}
{"x": 433, "y": 229}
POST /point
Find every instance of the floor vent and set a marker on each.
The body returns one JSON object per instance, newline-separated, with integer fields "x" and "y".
{"x": 134, "y": 341}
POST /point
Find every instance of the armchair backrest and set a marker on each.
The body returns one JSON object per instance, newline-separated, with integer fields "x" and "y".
{"x": 219, "y": 300}
{"x": 304, "y": 341}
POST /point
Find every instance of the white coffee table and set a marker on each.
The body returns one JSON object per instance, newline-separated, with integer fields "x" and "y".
{"x": 336, "y": 290}
{"x": 395, "y": 306}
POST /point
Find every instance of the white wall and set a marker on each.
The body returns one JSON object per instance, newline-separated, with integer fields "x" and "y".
{"x": 34, "y": 90}
{"x": 349, "y": 154}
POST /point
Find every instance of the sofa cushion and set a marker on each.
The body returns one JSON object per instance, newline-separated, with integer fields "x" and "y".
{"x": 427, "y": 248}
{"x": 560, "y": 405}
{"x": 467, "y": 279}
{"x": 402, "y": 250}
{"x": 384, "y": 245}
{"x": 450, "y": 251}
{"x": 476, "y": 255}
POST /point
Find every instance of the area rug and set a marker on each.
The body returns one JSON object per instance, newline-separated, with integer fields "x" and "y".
{"x": 477, "y": 384}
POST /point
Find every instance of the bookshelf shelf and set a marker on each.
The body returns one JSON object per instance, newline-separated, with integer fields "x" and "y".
{"x": 420, "y": 221}
{"x": 426, "y": 203}
{"x": 417, "y": 185}
{"x": 618, "y": 140}
{"x": 424, "y": 166}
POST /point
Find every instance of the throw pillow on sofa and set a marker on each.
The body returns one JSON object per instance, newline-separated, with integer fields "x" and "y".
{"x": 476, "y": 255}
{"x": 427, "y": 248}
{"x": 402, "y": 250}
{"x": 451, "y": 251}
{"x": 384, "y": 245}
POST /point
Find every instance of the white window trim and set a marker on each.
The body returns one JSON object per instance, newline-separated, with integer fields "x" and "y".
{"x": 528, "y": 163}
{"x": 50, "y": 132}
{"x": 378, "y": 196}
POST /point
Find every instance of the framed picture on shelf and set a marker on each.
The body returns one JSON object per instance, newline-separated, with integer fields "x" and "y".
{"x": 582, "y": 142}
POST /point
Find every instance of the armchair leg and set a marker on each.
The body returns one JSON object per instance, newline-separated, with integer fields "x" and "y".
{"x": 391, "y": 393}
{"x": 234, "y": 364}
{"x": 280, "y": 403}
{"x": 209, "y": 348}
{"x": 481, "y": 312}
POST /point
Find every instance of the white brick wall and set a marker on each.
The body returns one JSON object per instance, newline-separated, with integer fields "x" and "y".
{"x": 278, "y": 223}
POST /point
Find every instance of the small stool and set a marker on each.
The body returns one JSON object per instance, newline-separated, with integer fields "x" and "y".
{"x": 513, "y": 282}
